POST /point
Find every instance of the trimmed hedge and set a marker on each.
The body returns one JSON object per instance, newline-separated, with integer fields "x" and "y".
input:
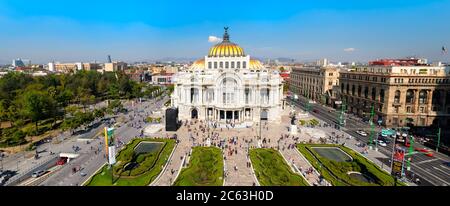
{"x": 272, "y": 170}
{"x": 336, "y": 172}
{"x": 205, "y": 168}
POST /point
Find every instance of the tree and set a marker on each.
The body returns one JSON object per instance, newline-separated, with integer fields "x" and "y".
{"x": 99, "y": 113}
{"x": 115, "y": 105}
{"x": 113, "y": 91}
{"x": 36, "y": 105}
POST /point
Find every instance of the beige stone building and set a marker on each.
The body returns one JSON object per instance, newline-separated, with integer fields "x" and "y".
{"x": 315, "y": 83}
{"x": 401, "y": 95}
{"x": 72, "y": 67}
{"x": 115, "y": 66}
{"x": 165, "y": 69}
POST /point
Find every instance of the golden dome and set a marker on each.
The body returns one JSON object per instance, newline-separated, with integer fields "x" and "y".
{"x": 199, "y": 64}
{"x": 255, "y": 64}
{"x": 226, "y": 48}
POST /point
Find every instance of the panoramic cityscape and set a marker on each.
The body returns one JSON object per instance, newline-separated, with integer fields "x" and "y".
{"x": 285, "y": 94}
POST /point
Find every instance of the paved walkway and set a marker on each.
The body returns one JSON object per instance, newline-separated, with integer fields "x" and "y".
{"x": 173, "y": 167}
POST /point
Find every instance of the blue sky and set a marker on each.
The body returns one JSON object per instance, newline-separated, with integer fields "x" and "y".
{"x": 135, "y": 30}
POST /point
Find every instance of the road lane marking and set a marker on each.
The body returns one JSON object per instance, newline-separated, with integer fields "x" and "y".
{"x": 444, "y": 167}
{"x": 441, "y": 170}
{"x": 426, "y": 161}
{"x": 431, "y": 174}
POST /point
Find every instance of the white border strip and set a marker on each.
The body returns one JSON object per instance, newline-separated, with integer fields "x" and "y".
{"x": 224, "y": 167}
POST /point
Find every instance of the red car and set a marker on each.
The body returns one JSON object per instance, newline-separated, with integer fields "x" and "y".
{"x": 61, "y": 161}
{"x": 425, "y": 151}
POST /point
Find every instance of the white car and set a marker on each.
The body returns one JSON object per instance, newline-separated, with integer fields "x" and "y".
{"x": 381, "y": 143}
{"x": 38, "y": 173}
{"x": 362, "y": 133}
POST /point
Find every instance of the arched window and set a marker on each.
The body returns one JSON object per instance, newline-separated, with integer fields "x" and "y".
{"x": 359, "y": 90}
{"x": 194, "y": 95}
{"x": 348, "y": 89}
{"x": 238, "y": 65}
{"x": 221, "y": 65}
{"x": 209, "y": 65}
{"x": 264, "y": 95}
{"x": 409, "y": 96}
{"x": 244, "y": 65}
{"x": 229, "y": 91}
{"x": 342, "y": 88}
{"x": 215, "y": 65}
{"x": 227, "y": 64}
{"x": 397, "y": 97}
{"x": 423, "y": 97}
{"x": 353, "y": 90}
{"x": 382, "y": 95}
{"x": 232, "y": 65}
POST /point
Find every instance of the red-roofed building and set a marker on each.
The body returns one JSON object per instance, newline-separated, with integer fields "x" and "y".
{"x": 285, "y": 76}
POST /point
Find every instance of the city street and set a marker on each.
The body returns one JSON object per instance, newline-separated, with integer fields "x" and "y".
{"x": 429, "y": 169}
{"x": 89, "y": 162}
{"x": 91, "y": 149}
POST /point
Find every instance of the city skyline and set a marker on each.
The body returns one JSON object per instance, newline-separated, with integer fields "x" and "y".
{"x": 141, "y": 31}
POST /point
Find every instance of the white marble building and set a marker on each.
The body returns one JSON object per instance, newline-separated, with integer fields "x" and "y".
{"x": 228, "y": 85}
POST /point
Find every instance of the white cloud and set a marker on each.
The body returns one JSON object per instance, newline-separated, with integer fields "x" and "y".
{"x": 349, "y": 49}
{"x": 214, "y": 39}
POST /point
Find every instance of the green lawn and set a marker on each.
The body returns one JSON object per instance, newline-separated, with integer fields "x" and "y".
{"x": 151, "y": 164}
{"x": 205, "y": 168}
{"x": 272, "y": 170}
{"x": 336, "y": 172}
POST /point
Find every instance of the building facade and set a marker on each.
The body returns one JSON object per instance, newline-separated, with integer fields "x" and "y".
{"x": 115, "y": 66}
{"x": 72, "y": 67}
{"x": 162, "y": 79}
{"x": 227, "y": 85}
{"x": 315, "y": 83}
{"x": 402, "y": 95}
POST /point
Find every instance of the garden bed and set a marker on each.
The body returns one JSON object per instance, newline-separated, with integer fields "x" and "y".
{"x": 342, "y": 173}
{"x": 136, "y": 168}
{"x": 205, "y": 168}
{"x": 272, "y": 170}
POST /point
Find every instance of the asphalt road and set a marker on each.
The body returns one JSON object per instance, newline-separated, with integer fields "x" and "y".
{"x": 430, "y": 170}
